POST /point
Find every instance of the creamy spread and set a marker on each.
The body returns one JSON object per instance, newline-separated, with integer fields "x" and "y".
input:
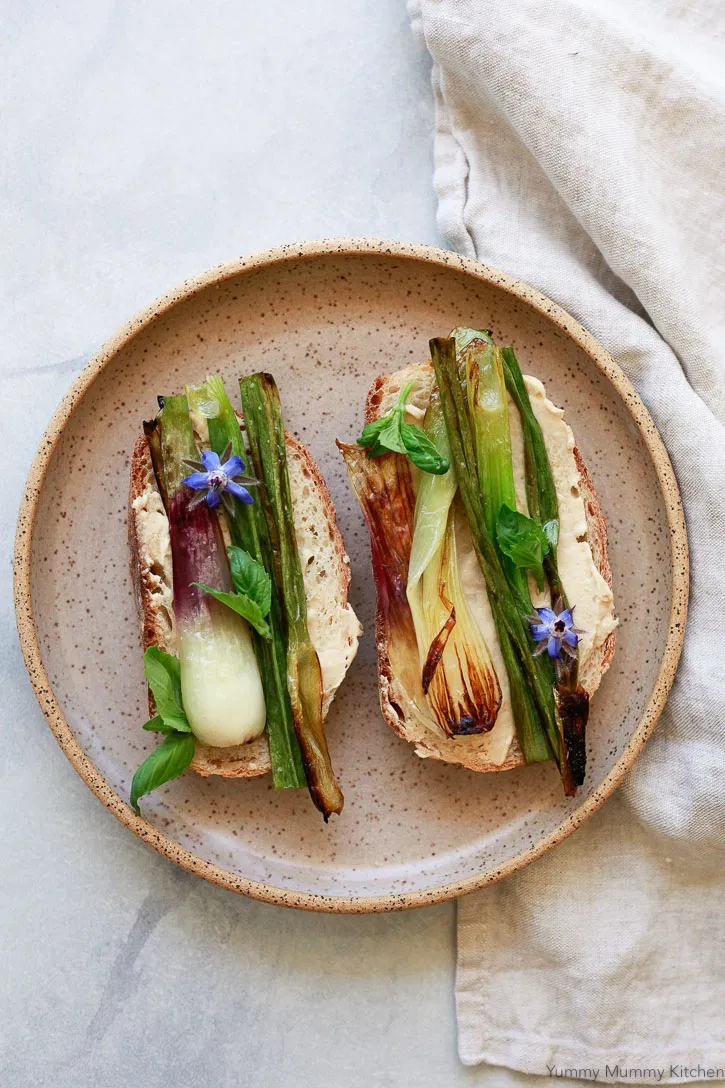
{"x": 154, "y": 528}
{"x": 584, "y": 585}
{"x": 333, "y": 626}
{"x": 154, "y": 552}
{"x": 335, "y": 640}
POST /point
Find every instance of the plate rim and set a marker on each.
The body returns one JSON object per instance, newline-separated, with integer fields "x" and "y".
{"x": 164, "y": 844}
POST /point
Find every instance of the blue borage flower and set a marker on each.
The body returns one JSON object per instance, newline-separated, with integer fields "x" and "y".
{"x": 214, "y": 479}
{"x": 555, "y": 631}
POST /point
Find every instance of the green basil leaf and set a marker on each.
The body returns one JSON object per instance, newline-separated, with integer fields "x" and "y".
{"x": 242, "y": 605}
{"x": 377, "y": 450}
{"x": 383, "y": 435}
{"x": 389, "y": 437}
{"x": 163, "y": 673}
{"x": 157, "y": 725}
{"x": 250, "y": 578}
{"x": 369, "y": 437}
{"x": 523, "y": 540}
{"x": 421, "y": 450}
{"x": 551, "y": 529}
{"x": 168, "y": 761}
{"x": 392, "y": 434}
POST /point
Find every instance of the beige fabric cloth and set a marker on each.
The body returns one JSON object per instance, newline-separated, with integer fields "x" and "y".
{"x": 579, "y": 145}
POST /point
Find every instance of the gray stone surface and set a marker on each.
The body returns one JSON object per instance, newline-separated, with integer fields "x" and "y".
{"x": 144, "y": 143}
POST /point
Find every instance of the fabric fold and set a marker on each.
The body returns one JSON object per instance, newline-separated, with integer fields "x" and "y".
{"x": 580, "y": 145}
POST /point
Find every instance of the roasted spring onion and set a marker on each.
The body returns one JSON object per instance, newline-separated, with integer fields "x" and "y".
{"x": 480, "y": 370}
{"x": 529, "y": 677}
{"x": 479, "y": 367}
{"x": 458, "y": 677}
{"x": 248, "y": 530}
{"x": 572, "y": 699}
{"x": 220, "y": 682}
{"x": 265, "y": 431}
{"x": 384, "y": 489}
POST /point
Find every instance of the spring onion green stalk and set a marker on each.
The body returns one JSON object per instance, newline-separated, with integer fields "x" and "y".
{"x": 529, "y": 679}
{"x": 541, "y": 494}
{"x": 572, "y": 699}
{"x": 540, "y": 488}
{"x": 220, "y": 683}
{"x": 458, "y": 677}
{"x": 265, "y": 431}
{"x": 248, "y": 530}
{"x": 481, "y": 370}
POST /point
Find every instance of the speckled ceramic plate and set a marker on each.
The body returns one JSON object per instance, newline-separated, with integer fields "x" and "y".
{"x": 326, "y": 318}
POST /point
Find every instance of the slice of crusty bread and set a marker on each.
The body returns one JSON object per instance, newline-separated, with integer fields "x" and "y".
{"x": 381, "y": 397}
{"x": 334, "y": 628}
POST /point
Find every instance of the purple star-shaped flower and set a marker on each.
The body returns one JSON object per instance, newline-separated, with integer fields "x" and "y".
{"x": 555, "y": 631}
{"x": 214, "y": 479}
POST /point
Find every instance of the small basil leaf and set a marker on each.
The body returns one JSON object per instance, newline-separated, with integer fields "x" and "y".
{"x": 250, "y": 578}
{"x": 551, "y": 529}
{"x": 157, "y": 725}
{"x": 377, "y": 450}
{"x": 422, "y": 452}
{"x": 168, "y": 761}
{"x": 389, "y": 437}
{"x": 523, "y": 540}
{"x": 392, "y": 434}
{"x": 242, "y": 605}
{"x": 163, "y": 673}
{"x": 369, "y": 437}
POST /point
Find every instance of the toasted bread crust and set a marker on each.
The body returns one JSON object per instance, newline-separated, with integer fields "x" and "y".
{"x": 155, "y": 626}
{"x": 597, "y": 537}
{"x": 342, "y": 562}
{"x": 251, "y": 759}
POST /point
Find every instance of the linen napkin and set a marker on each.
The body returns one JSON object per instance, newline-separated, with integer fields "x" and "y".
{"x": 579, "y": 145}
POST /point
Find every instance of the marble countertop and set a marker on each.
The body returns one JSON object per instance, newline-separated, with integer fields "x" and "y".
{"x": 146, "y": 142}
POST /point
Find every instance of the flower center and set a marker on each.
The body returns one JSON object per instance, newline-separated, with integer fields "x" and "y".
{"x": 559, "y": 627}
{"x": 217, "y": 480}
